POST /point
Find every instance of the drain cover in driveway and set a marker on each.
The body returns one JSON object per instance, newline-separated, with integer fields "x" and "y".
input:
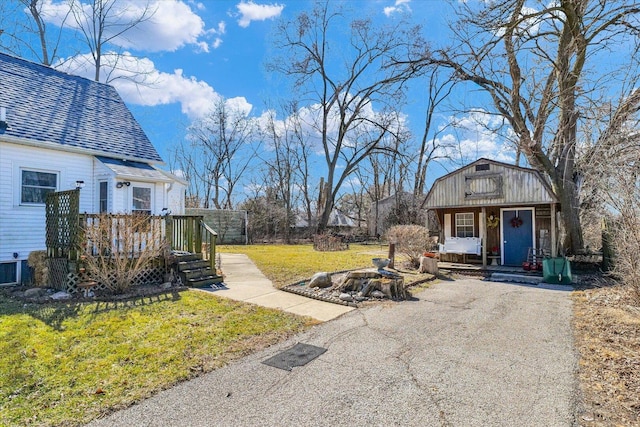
{"x": 298, "y": 355}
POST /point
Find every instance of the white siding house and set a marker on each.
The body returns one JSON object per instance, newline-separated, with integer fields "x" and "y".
{"x": 59, "y": 132}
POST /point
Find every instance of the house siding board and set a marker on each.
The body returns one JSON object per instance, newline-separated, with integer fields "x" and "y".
{"x": 520, "y": 186}
{"x": 50, "y": 106}
{"x": 22, "y": 227}
{"x": 175, "y": 196}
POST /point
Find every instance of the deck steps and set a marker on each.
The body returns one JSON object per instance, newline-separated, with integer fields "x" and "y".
{"x": 196, "y": 272}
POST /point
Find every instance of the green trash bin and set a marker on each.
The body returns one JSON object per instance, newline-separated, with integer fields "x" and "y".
{"x": 557, "y": 270}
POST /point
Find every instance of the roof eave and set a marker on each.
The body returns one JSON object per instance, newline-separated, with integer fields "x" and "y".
{"x": 72, "y": 149}
{"x": 138, "y": 178}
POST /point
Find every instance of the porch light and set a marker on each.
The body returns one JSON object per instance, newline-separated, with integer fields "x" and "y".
{"x": 122, "y": 184}
{"x": 79, "y": 184}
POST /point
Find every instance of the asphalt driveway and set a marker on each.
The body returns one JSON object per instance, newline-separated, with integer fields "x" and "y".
{"x": 465, "y": 353}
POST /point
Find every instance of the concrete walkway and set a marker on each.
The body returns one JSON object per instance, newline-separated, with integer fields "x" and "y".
{"x": 244, "y": 282}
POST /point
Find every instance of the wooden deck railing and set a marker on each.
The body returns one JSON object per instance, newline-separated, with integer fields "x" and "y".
{"x": 123, "y": 234}
{"x": 186, "y": 233}
{"x": 189, "y": 233}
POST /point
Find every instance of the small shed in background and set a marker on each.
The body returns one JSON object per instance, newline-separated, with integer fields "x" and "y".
{"x": 494, "y": 212}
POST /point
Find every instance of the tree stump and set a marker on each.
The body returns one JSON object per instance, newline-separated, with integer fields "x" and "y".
{"x": 364, "y": 283}
{"x": 428, "y": 265}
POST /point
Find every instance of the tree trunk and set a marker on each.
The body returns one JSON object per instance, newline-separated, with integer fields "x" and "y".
{"x": 570, "y": 214}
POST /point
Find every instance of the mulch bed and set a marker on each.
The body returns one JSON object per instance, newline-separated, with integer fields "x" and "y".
{"x": 135, "y": 292}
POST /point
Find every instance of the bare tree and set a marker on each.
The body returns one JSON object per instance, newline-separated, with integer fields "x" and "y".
{"x": 221, "y": 152}
{"x": 343, "y": 86}
{"x": 102, "y": 21}
{"x": 268, "y": 219}
{"x": 438, "y": 89}
{"x": 612, "y": 187}
{"x": 280, "y": 162}
{"x": 537, "y": 63}
{"x": 16, "y": 35}
{"x": 188, "y": 159}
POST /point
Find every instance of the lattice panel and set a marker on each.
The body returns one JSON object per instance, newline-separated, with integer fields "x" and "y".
{"x": 62, "y": 212}
{"x": 58, "y": 270}
{"x": 73, "y": 279}
{"x": 151, "y": 276}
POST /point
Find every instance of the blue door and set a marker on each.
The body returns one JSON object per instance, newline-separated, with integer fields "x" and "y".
{"x": 517, "y": 235}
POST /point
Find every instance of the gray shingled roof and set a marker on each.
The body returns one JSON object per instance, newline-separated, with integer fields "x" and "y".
{"x": 50, "y": 106}
{"x": 133, "y": 169}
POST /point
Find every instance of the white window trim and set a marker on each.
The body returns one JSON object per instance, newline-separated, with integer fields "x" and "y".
{"x": 19, "y": 186}
{"x": 472, "y": 225}
{"x": 151, "y": 188}
{"x": 100, "y": 182}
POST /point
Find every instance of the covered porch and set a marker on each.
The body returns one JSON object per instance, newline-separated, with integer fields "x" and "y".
{"x": 494, "y": 215}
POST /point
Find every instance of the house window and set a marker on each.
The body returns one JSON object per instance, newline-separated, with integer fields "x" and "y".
{"x": 141, "y": 200}
{"x": 482, "y": 167}
{"x": 8, "y": 272}
{"x": 36, "y": 185}
{"x": 103, "y": 197}
{"x": 464, "y": 224}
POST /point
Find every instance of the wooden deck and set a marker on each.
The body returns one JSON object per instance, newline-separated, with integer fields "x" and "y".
{"x": 480, "y": 270}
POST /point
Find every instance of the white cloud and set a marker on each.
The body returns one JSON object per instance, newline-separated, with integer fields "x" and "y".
{"x": 172, "y": 25}
{"x": 239, "y": 104}
{"x": 216, "y": 43}
{"x": 400, "y": 6}
{"x": 139, "y": 82}
{"x": 476, "y": 135}
{"x": 308, "y": 120}
{"x": 220, "y": 30}
{"x": 530, "y": 24}
{"x": 250, "y": 11}
{"x": 198, "y": 5}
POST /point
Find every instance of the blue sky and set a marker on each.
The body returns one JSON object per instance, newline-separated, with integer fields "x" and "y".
{"x": 197, "y": 51}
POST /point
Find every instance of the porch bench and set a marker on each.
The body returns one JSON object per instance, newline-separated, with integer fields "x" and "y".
{"x": 461, "y": 245}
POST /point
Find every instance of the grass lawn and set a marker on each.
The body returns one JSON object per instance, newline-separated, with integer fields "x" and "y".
{"x": 68, "y": 363}
{"x": 287, "y": 264}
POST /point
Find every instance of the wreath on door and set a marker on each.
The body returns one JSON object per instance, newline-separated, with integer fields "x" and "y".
{"x": 516, "y": 222}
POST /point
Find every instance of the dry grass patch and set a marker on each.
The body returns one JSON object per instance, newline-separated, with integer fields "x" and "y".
{"x": 607, "y": 332}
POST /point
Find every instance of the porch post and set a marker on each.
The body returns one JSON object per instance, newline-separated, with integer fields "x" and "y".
{"x": 168, "y": 229}
{"x": 554, "y": 231}
{"x": 483, "y": 235}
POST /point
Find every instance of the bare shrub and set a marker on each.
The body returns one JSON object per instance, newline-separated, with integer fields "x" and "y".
{"x": 624, "y": 234}
{"x": 120, "y": 247}
{"x": 329, "y": 243}
{"x": 410, "y": 240}
{"x": 38, "y": 261}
